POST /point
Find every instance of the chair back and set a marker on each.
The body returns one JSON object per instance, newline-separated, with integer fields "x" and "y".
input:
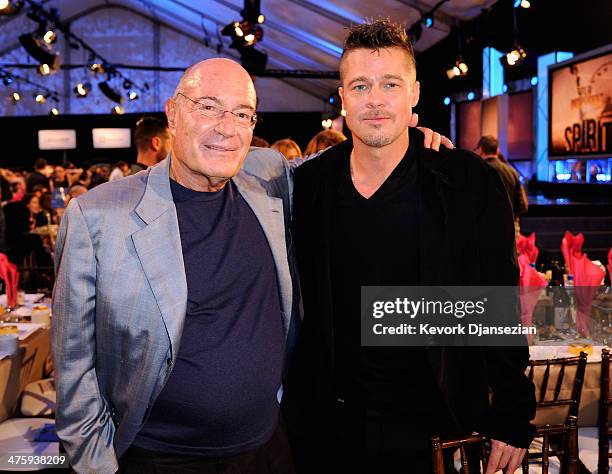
{"x": 605, "y": 403}
{"x": 438, "y": 446}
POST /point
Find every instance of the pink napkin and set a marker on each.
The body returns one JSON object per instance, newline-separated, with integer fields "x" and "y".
{"x": 571, "y": 245}
{"x": 587, "y": 278}
{"x": 532, "y": 285}
{"x": 526, "y": 246}
{"x": 10, "y": 275}
{"x": 610, "y": 264}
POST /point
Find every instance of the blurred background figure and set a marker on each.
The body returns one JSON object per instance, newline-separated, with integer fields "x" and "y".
{"x": 322, "y": 140}
{"x": 259, "y": 142}
{"x": 121, "y": 169}
{"x": 59, "y": 178}
{"x": 38, "y": 176}
{"x": 288, "y": 148}
{"x": 153, "y": 142}
{"x": 488, "y": 149}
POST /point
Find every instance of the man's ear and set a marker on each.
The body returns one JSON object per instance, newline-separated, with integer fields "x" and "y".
{"x": 416, "y": 93}
{"x": 156, "y": 143}
{"x": 170, "y": 109}
{"x": 341, "y": 94}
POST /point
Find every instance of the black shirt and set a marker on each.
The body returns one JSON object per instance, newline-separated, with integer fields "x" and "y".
{"x": 375, "y": 241}
{"x": 221, "y": 397}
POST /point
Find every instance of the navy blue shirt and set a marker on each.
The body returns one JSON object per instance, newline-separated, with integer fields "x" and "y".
{"x": 220, "y": 398}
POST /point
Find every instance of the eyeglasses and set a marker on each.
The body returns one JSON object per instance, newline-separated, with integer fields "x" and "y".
{"x": 243, "y": 119}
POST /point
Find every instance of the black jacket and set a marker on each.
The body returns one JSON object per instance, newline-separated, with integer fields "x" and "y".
{"x": 467, "y": 236}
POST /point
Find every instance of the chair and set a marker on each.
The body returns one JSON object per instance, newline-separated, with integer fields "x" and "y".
{"x": 595, "y": 442}
{"x": 556, "y": 446}
{"x": 438, "y": 447}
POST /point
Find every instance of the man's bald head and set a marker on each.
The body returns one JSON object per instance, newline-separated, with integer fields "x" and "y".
{"x": 214, "y": 68}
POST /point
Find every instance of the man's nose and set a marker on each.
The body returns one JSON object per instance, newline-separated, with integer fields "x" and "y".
{"x": 227, "y": 124}
{"x": 375, "y": 98}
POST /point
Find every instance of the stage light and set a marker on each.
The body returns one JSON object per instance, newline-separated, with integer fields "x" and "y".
{"x": 243, "y": 34}
{"x": 132, "y": 95}
{"x": 522, "y": 3}
{"x": 471, "y": 95}
{"x": 447, "y": 100}
{"x": 40, "y": 51}
{"x": 250, "y": 38}
{"x": 40, "y": 98}
{"x": 515, "y": 57}
{"x": 118, "y": 110}
{"x": 110, "y": 93}
{"x": 534, "y": 81}
{"x": 428, "y": 21}
{"x": 15, "y": 97}
{"x": 343, "y": 112}
{"x": 261, "y": 18}
{"x": 459, "y": 69}
{"x": 49, "y": 37}
{"x": 10, "y": 7}
{"x": 505, "y": 88}
{"x": 327, "y": 123}
{"x": 82, "y": 89}
{"x": 97, "y": 68}
{"x": 54, "y": 112}
{"x": 44, "y": 70}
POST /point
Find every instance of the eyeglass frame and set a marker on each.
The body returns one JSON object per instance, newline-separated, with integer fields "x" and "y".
{"x": 255, "y": 119}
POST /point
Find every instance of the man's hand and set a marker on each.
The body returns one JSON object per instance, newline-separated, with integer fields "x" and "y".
{"x": 433, "y": 139}
{"x": 503, "y": 456}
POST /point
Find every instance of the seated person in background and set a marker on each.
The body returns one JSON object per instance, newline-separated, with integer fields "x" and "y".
{"x": 322, "y": 140}
{"x": 153, "y": 142}
{"x": 122, "y": 169}
{"x": 288, "y": 148}
{"x": 259, "y": 142}
{"x": 59, "y": 178}
{"x": 76, "y": 191}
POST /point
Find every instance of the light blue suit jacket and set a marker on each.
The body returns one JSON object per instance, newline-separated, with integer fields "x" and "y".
{"x": 120, "y": 299}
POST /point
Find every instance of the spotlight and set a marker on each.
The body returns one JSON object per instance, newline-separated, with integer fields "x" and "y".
{"x": 447, "y": 100}
{"x": 49, "y": 37}
{"x": 514, "y": 57}
{"x": 261, "y": 18}
{"x": 10, "y": 7}
{"x": 54, "y": 112}
{"x": 459, "y": 69}
{"x": 109, "y": 92}
{"x": 428, "y": 21}
{"x": 505, "y": 88}
{"x": 40, "y": 51}
{"x": 343, "y": 112}
{"x": 96, "y": 68}
{"x": 82, "y": 89}
{"x": 243, "y": 34}
{"x": 327, "y": 123}
{"x": 44, "y": 70}
{"x": 534, "y": 81}
{"x": 40, "y": 98}
{"x": 471, "y": 95}
{"x": 132, "y": 95}
{"x": 15, "y": 97}
{"x": 522, "y": 3}
{"x": 118, "y": 110}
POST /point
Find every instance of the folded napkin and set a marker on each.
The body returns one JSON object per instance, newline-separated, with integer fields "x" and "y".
{"x": 526, "y": 246}
{"x": 532, "y": 283}
{"x": 587, "y": 278}
{"x": 571, "y": 245}
{"x": 10, "y": 275}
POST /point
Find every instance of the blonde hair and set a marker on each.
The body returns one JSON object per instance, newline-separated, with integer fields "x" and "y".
{"x": 288, "y": 148}
{"x": 324, "y": 139}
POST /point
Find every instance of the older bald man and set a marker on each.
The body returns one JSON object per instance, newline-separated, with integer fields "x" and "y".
{"x": 174, "y": 303}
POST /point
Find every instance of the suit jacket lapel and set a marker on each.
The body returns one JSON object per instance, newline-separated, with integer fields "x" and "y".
{"x": 269, "y": 213}
{"x": 158, "y": 246}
